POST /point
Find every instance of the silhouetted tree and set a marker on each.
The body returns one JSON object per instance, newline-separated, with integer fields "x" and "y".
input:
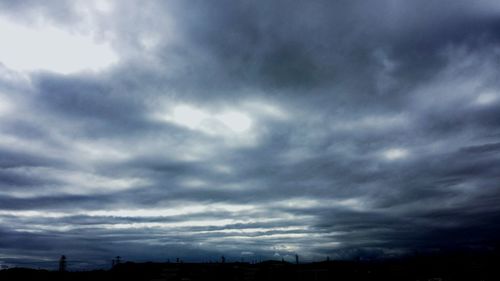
{"x": 296, "y": 259}
{"x": 222, "y": 259}
{"x": 62, "y": 264}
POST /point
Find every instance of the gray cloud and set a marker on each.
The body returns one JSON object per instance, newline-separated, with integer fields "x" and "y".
{"x": 339, "y": 129}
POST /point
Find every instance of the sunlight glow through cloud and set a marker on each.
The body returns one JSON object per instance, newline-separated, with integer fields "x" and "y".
{"x": 236, "y": 121}
{"x": 395, "y": 153}
{"x": 27, "y": 48}
{"x": 194, "y": 118}
{"x": 188, "y": 116}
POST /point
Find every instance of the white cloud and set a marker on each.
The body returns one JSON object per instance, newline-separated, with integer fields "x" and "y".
{"x": 5, "y": 105}
{"x": 236, "y": 121}
{"x": 395, "y": 153}
{"x": 265, "y": 108}
{"x": 45, "y": 47}
{"x": 188, "y": 116}
{"x": 486, "y": 98}
{"x": 225, "y": 123}
{"x": 73, "y": 182}
{"x": 194, "y": 183}
{"x": 373, "y": 122}
{"x": 104, "y": 6}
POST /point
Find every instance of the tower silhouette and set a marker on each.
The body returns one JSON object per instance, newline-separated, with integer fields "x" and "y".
{"x": 62, "y": 264}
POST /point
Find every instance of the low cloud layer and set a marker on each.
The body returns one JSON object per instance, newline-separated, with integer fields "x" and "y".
{"x": 251, "y": 130}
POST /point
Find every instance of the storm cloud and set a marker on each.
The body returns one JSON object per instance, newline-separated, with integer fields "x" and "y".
{"x": 250, "y": 129}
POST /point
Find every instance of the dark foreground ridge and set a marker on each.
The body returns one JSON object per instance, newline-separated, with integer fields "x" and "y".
{"x": 470, "y": 268}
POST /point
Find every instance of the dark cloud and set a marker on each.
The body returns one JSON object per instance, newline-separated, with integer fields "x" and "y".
{"x": 344, "y": 129}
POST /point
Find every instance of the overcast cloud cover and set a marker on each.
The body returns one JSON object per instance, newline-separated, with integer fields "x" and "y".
{"x": 251, "y": 129}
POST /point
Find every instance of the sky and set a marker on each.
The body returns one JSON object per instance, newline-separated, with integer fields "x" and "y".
{"x": 251, "y": 129}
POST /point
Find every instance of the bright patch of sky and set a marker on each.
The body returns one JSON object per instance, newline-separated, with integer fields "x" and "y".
{"x": 47, "y": 47}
